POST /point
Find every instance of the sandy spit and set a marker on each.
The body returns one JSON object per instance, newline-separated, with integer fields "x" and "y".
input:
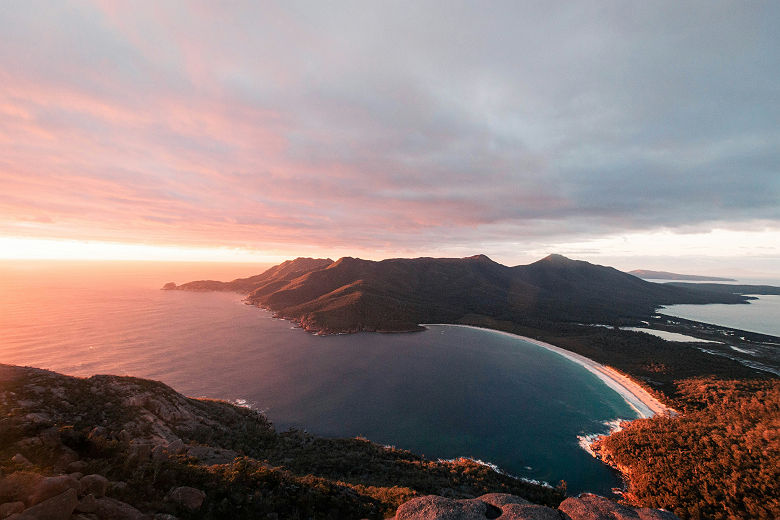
{"x": 637, "y": 397}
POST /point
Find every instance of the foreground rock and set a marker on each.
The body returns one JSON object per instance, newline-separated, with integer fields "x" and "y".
{"x": 594, "y": 507}
{"x": 188, "y": 497}
{"x": 59, "y": 507}
{"x": 508, "y": 507}
{"x": 29, "y": 496}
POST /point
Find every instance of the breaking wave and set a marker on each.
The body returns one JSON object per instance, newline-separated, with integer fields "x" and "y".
{"x": 585, "y": 440}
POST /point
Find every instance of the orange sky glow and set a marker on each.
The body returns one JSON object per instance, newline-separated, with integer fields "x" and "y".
{"x": 192, "y": 131}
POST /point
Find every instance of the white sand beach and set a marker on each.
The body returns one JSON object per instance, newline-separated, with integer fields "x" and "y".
{"x": 637, "y": 397}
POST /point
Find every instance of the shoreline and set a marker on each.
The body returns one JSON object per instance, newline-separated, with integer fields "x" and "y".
{"x": 643, "y": 403}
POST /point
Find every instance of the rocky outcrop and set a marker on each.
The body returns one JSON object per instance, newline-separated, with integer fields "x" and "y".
{"x": 440, "y": 508}
{"x": 95, "y": 485}
{"x": 144, "y": 414}
{"x": 594, "y": 507}
{"x": 31, "y": 496}
{"x": 502, "y": 506}
{"x": 58, "y": 507}
{"x": 140, "y": 423}
{"x": 10, "y": 508}
{"x": 112, "y": 509}
{"x": 187, "y": 497}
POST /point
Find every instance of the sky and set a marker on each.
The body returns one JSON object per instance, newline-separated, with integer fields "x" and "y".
{"x": 634, "y": 134}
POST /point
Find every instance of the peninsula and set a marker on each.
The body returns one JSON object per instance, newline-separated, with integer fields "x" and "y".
{"x": 395, "y": 295}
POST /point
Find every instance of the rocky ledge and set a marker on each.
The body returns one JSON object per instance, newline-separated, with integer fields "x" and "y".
{"x": 28, "y": 495}
{"x": 502, "y": 506}
{"x": 109, "y": 447}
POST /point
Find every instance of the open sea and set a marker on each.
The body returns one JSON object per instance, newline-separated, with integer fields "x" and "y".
{"x": 446, "y": 392}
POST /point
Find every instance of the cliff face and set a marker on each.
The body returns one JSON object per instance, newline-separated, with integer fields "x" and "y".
{"x": 396, "y": 295}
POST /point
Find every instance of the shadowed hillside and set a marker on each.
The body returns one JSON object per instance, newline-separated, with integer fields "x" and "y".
{"x": 398, "y": 294}
{"x": 279, "y": 273}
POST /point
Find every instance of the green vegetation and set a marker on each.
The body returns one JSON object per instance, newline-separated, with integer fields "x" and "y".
{"x": 719, "y": 460}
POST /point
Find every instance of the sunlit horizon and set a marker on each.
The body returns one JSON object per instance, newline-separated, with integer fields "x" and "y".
{"x": 694, "y": 252}
{"x": 127, "y": 133}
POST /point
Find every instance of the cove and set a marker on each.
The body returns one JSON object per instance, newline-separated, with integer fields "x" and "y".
{"x": 448, "y": 392}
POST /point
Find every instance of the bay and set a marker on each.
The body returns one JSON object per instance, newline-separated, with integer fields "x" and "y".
{"x": 761, "y": 315}
{"x": 446, "y": 392}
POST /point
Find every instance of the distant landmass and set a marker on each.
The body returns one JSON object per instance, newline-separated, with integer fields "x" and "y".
{"x": 352, "y": 294}
{"x": 728, "y": 288}
{"x": 665, "y": 275}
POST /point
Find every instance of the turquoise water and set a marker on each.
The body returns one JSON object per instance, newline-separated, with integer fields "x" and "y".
{"x": 445, "y": 392}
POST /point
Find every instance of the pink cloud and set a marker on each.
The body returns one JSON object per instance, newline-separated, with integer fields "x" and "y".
{"x": 200, "y": 123}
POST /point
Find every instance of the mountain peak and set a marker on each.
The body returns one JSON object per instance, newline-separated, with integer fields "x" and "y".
{"x": 302, "y": 259}
{"x": 556, "y": 258}
{"x": 352, "y": 294}
{"x": 480, "y": 258}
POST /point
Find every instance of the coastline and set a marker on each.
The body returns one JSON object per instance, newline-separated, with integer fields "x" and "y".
{"x": 637, "y": 397}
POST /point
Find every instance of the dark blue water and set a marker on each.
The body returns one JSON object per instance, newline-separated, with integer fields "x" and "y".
{"x": 446, "y": 392}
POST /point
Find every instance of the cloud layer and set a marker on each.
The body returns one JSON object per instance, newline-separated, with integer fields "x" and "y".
{"x": 392, "y": 126}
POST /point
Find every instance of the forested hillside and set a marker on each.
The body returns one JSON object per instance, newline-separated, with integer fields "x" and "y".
{"x": 719, "y": 460}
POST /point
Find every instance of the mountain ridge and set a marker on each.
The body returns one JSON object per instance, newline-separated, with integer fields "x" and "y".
{"x": 665, "y": 275}
{"x": 394, "y": 295}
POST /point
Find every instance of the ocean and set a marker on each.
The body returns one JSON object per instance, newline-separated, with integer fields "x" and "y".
{"x": 446, "y": 392}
